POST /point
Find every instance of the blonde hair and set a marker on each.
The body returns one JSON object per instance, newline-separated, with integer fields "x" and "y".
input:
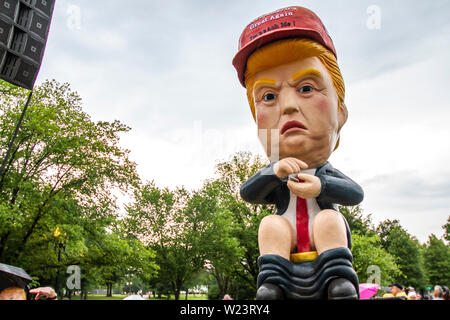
{"x": 292, "y": 50}
{"x": 13, "y": 293}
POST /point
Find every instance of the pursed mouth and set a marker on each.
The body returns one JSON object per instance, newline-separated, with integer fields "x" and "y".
{"x": 292, "y": 125}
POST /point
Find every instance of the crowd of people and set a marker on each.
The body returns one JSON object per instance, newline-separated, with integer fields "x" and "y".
{"x": 14, "y": 283}
{"x": 396, "y": 290}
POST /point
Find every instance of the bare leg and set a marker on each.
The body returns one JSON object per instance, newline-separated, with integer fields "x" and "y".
{"x": 275, "y": 236}
{"x": 329, "y": 231}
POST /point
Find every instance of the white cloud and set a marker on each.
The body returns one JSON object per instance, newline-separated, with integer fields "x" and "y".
{"x": 187, "y": 156}
{"x": 396, "y": 145}
{"x": 163, "y": 67}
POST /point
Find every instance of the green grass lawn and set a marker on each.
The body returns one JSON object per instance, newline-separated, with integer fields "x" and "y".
{"x": 183, "y": 297}
{"x": 101, "y": 297}
{"x": 121, "y": 297}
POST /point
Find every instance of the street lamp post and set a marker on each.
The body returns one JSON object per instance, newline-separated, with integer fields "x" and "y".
{"x": 60, "y": 245}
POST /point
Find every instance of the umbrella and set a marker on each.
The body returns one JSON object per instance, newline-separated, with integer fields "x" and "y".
{"x": 11, "y": 276}
{"x": 367, "y": 290}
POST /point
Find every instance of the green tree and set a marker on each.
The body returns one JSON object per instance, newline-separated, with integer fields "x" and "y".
{"x": 64, "y": 173}
{"x": 371, "y": 262}
{"x": 123, "y": 258}
{"x": 208, "y": 230}
{"x": 446, "y": 228}
{"x": 220, "y": 248}
{"x": 399, "y": 243}
{"x": 212, "y": 227}
{"x": 436, "y": 256}
{"x": 160, "y": 218}
{"x": 245, "y": 220}
{"x": 357, "y": 221}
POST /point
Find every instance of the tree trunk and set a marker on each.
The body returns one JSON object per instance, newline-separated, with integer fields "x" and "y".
{"x": 84, "y": 289}
{"x": 3, "y": 244}
{"x": 30, "y": 230}
{"x": 176, "y": 289}
{"x": 222, "y": 283}
{"x": 109, "y": 289}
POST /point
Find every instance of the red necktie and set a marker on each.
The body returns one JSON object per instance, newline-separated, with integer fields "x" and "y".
{"x": 302, "y": 226}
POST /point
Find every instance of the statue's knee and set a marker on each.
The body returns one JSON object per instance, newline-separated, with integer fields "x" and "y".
{"x": 329, "y": 231}
{"x": 273, "y": 223}
{"x": 276, "y": 234}
{"x": 328, "y": 219}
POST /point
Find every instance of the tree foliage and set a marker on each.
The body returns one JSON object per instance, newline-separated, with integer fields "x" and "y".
{"x": 398, "y": 242}
{"x": 166, "y": 220}
{"x": 357, "y": 221}
{"x": 63, "y": 174}
{"x": 369, "y": 258}
{"x": 437, "y": 261}
{"x": 446, "y": 228}
{"x": 242, "y": 273}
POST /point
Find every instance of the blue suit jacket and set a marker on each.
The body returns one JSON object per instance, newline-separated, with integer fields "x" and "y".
{"x": 266, "y": 188}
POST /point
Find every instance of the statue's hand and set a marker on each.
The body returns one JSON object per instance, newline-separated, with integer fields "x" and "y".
{"x": 309, "y": 188}
{"x": 287, "y": 166}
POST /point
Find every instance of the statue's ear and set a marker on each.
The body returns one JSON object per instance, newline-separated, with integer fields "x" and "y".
{"x": 342, "y": 115}
{"x": 342, "y": 119}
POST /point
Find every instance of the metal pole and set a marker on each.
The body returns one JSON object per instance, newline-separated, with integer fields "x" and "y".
{"x": 11, "y": 143}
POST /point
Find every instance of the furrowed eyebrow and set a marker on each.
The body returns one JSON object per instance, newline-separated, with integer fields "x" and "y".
{"x": 300, "y": 74}
{"x": 261, "y": 82}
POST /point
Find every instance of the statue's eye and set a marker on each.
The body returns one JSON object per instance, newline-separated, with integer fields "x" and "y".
{"x": 269, "y": 97}
{"x": 306, "y": 89}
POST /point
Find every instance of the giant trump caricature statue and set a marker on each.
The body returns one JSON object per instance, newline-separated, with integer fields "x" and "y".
{"x": 287, "y": 63}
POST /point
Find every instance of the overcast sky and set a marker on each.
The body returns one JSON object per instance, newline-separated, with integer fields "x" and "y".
{"x": 164, "y": 68}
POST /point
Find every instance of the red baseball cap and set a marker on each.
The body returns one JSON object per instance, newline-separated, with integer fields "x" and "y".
{"x": 290, "y": 22}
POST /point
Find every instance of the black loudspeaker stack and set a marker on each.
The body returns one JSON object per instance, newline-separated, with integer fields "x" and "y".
{"x": 24, "y": 28}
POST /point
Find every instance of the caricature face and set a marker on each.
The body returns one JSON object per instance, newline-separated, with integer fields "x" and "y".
{"x": 298, "y": 103}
